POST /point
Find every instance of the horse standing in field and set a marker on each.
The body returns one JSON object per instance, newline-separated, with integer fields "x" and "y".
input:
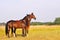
{"x": 23, "y": 24}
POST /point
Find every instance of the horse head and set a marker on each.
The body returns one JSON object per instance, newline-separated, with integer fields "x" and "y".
{"x": 32, "y": 16}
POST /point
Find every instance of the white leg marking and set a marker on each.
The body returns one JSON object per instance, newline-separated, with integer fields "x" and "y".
{"x": 14, "y": 34}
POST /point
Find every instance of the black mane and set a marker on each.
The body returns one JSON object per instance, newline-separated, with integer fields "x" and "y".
{"x": 25, "y": 17}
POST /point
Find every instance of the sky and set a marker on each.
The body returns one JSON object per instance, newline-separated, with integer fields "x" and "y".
{"x": 44, "y": 10}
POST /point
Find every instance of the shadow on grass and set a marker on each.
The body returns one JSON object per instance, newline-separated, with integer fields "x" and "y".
{"x": 20, "y": 35}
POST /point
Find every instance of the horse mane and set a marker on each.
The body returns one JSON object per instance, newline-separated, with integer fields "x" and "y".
{"x": 25, "y": 17}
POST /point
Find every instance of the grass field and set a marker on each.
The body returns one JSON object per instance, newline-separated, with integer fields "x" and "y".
{"x": 42, "y": 32}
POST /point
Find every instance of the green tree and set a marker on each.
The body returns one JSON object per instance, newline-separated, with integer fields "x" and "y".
{"x": 57, "y": 21}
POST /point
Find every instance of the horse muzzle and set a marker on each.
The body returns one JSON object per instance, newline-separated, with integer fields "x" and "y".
{"x": 35, "y": 18}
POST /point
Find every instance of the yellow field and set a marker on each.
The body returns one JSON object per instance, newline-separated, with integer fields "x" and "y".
{"x": 39, "y": 32}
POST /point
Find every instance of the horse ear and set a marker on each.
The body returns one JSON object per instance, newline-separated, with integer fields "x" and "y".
{"x": 32, "y": 13}
{"x": 27, "y": 14}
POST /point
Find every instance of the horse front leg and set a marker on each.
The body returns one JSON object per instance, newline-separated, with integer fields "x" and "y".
{"x": 27, "y": 29}
{"x": 23, "y": 32}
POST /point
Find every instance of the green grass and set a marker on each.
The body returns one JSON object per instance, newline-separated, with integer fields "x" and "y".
{"x": 36, "y": 33}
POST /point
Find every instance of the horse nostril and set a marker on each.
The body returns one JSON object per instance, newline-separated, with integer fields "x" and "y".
{"x": 35, "y": 18}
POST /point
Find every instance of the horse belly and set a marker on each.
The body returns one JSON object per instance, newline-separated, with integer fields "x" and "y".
{"x": 19, "y": 25}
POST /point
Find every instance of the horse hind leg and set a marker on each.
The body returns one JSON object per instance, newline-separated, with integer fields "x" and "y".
{"x": 8, "y": 32}
{"x": 14, "y": 32}
{"x": 11, "y": 31}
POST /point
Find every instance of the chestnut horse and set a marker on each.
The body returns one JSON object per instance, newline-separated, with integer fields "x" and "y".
{"x": 23, "y": 24}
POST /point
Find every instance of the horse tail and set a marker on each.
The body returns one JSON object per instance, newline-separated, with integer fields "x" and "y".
{"x": 6, "y": 29}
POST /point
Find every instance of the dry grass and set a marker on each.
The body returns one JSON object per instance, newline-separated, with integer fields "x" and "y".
{"x": 39, "y": 32}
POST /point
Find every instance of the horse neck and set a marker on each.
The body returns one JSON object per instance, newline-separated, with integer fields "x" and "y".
{"x": 28, "y": 22}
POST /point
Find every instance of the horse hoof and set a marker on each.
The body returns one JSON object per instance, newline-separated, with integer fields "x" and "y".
{"x": 23, "y": 35}
{"x": 27, "y": 34}
{"x": 15, "y": 36}
{"x": 8, "y": 36}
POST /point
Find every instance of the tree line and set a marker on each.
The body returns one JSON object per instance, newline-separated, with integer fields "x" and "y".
{"x": 56, "y": 22}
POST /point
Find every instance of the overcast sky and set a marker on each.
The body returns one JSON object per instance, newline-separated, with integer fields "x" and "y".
{"x": 44, "y": 10}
